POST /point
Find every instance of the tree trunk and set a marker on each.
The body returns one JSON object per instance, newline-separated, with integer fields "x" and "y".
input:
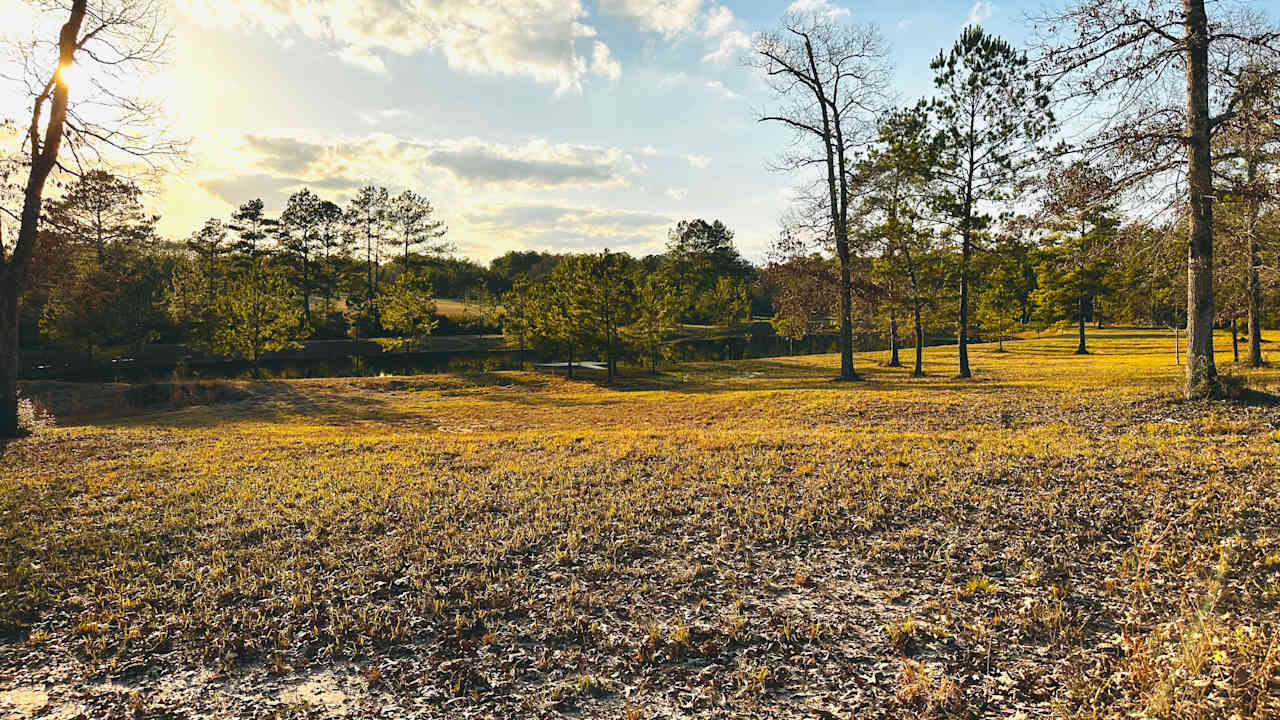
{"x": 570, "y": 372}
{"x": 965, "y": 252}
{"x": 13, "y": 272}
{"x": 918, "y": 371}
{"x": 831, "y": 144}
{"x": 1235, "y": 341}
{"x": 846, "y": 315}
{"x": 1201, "y": 373}
{"x": 608, "y": 358}
{"x": 1253, "y": 282}
{"x": 893, "y": 340}
{"x": 9, "y": 361}
{"x": 1081, "y": 348}
{"x": 306, "y": 292}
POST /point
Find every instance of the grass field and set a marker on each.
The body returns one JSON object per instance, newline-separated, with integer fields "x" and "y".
{"x": 1059, "y": 537}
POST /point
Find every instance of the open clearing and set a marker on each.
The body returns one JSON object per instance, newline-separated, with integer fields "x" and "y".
{"x": 1060, "y": 536}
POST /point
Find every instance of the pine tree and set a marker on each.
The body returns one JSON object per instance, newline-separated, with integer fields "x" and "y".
{"x": 992, "y": 112}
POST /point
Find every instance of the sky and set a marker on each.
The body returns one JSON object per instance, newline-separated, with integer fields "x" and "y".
{"x": 560, "y": 125}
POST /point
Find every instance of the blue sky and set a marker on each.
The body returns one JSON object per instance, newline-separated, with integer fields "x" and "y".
{"x": 545, "y": 124}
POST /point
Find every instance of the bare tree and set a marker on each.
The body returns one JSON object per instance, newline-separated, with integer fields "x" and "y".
{"x": 832, "y": 80}
{"x": 1164, "y": 75}
{"x": 102, "y": 47}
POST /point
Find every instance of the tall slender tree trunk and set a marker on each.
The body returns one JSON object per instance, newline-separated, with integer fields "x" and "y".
{"x": 306, "y": 292}
{"x": 1081, "y": 348}
{"x": 1253, "y": 282}
{"x": 1235, "y": 340}
{"x": 9, "y": 359}
{"x": 893, "y": 340}
{"x": 965, "y": 253}
{"x": 1201, "y": 373}
{"x": 918, "y": 370}
{"x": 832, "y": 142}
{"x": 13, "y": 270}
{"x": 570, "y": 372}
{"x": 608, "y": 360}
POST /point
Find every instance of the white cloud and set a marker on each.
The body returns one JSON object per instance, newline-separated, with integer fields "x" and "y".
{"x": 671, "y": 80}
{"x": 377, "y": 117}
{"x": 718, "y": 87}
{"x": 647, "y": 150}
{"x": 727, "y": 36}
{"x": 269, "y": 165}
{"x": 603, "y": 62}
{"x": 818, "y": 7}
{"x": 538, "y": 163}
{"x": 699, "y": 161}
{"x": 537, "y": 39}
{"x": 719, "y": 20}
{"x": 669, "y": 17}
{"x": 560, "y": 226}
{"x": 362, "y": 58}
{"x": 980, "y": 12}
{"x": 676, "y": 193}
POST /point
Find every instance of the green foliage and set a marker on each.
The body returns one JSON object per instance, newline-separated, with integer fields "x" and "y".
{"x": 1008, "y": 283}
{"x": 729, "y": 303}
{"x": 699, "y": 255}
{"x": 256, "y": 312}
{"x": 657, "y": 312}
{"x": 1075, "y": 267}
{"x": 413, "y": 226}
{"x": 105, "y": 213}
{"x": 99, "y": 268}
{"x": 991, "y": 111}
{"x": 252, "y": 228}
{"x": 408, "y": 306}
{"x": 209, "y": 244}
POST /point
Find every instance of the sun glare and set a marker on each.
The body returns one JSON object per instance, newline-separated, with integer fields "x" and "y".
{"x": 71, "y": 74}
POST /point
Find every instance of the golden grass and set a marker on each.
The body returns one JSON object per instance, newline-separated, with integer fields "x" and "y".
{"x": 455, "y": 309}
{"x": 1059, "y": 535}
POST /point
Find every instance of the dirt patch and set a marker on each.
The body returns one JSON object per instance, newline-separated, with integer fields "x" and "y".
{"x": 23, "y": 702}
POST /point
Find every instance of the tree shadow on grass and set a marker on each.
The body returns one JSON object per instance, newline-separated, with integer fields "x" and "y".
{"x": 1250, "y": 397}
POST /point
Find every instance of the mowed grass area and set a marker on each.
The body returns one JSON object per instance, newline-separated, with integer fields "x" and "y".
{"x": 1059, "y": 537}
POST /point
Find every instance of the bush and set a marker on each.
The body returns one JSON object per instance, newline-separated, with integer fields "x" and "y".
{"x": 33, "y": 416}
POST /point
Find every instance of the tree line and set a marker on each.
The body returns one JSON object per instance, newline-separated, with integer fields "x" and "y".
{"x": 983, "y": 173}
{"x": 969, "y": 200}
{"x": 104, "y": 280}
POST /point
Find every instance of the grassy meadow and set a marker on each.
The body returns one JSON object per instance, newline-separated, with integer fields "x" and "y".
{"x": 1060, "y": 537}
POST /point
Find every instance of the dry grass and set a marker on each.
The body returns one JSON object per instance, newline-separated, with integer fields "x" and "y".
{"x": 456, "y": 309}
{"x": 1059, "y": 536}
